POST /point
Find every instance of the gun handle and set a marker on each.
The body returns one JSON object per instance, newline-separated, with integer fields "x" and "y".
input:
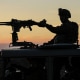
{"x": 30, "y": 28}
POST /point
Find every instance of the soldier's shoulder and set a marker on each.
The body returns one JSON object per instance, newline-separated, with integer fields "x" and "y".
{"x": 74, "y": 23}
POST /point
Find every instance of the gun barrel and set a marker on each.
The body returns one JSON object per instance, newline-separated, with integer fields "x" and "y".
{"x": 5, "y": 23}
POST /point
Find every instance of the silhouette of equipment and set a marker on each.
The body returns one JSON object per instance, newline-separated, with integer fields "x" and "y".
{"x": 16, "y": 26}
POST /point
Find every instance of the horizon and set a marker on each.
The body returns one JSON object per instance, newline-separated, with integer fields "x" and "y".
{"x": 4, "y": 46}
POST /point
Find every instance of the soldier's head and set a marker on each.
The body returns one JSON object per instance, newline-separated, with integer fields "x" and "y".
{"x": 64, "y": 14}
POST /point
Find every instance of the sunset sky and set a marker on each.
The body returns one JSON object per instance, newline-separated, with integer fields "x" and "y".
{"x": 36, "y": 10}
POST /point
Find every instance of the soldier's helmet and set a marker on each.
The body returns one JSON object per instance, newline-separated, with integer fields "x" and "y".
{"x": 64, "y": 12}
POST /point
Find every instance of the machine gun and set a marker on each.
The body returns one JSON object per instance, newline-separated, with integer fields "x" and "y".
{"x": 16, "y": 25}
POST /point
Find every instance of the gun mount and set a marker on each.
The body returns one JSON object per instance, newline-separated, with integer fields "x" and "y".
{"x": 16, "y": 25}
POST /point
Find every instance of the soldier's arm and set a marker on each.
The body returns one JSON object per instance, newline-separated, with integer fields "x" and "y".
{"x": 51, "y": 28}
{"x": 63, "y": 29}
{"x": 58, "y": 29}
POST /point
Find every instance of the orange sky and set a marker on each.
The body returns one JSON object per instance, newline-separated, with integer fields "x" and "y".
{"x": 35, "y": 10}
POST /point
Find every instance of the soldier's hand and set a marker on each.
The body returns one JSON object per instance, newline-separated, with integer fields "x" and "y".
{"x": 42, "y": 23}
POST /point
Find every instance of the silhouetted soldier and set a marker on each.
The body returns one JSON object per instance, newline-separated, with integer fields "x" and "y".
{"x": 67, "y": 32}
